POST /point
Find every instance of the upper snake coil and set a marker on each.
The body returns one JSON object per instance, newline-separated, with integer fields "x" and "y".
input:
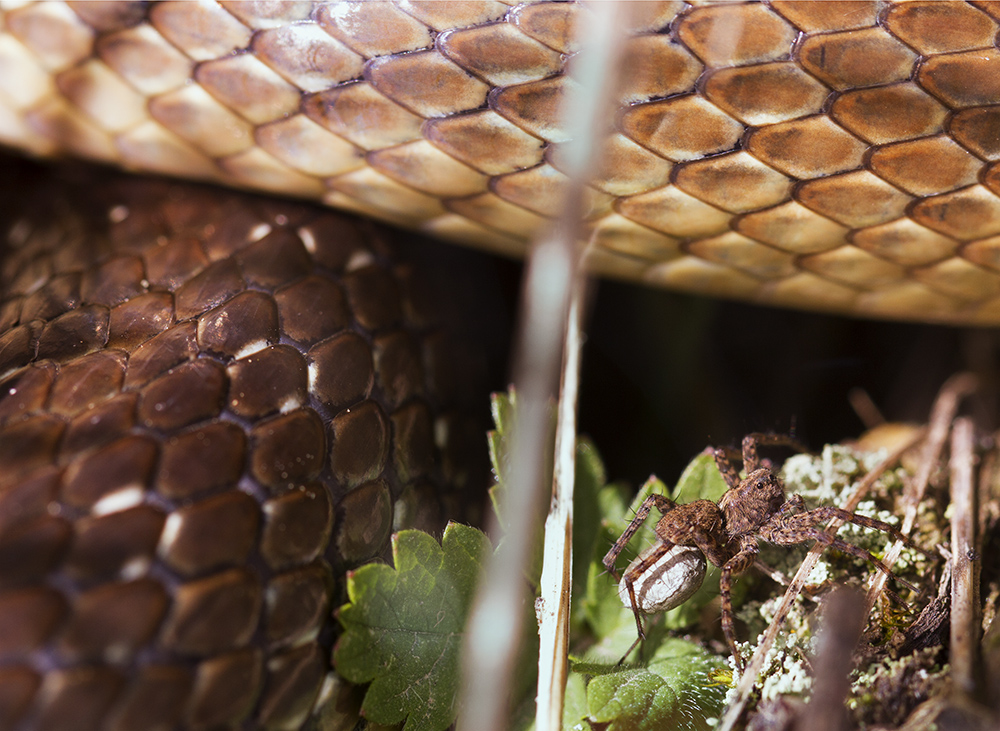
{"x": 835, "y": 155}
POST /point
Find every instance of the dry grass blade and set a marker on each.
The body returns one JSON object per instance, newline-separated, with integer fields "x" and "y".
{"x": 557, "y": 566}
{"x": 552, "y": 290}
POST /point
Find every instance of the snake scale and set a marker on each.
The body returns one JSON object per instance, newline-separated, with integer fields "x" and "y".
{"x": 189, "y": 459}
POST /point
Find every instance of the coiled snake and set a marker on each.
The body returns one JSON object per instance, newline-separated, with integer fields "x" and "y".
{"x": 182, "y": 481}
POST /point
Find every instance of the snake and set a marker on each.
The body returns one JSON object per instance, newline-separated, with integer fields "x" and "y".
{"x": 216, "y": 402}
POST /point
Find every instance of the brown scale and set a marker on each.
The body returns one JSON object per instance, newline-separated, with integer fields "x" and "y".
{"x": 833, "y": 155}
{"x": 187, "y": 465}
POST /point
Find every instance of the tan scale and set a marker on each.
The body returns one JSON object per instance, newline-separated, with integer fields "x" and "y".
{"x": 459, "y": 135}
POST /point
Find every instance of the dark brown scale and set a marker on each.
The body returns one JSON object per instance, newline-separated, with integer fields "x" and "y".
{"x": 201, "y": 427}
{"x": 297, "y": 526}
{"x": 188, "y": 394}
{"x": 258, "y": 315}
{"x": 210, "y": 534}
{"x": 287, "y": 450}
{"x": 359, "y": 441}
{"x": 312, "y": 309}
{"x": 271, "y": 380}
{"x": 161, "y": 353}
{"x": 104, "y": 545}
{"x": 344, "y": 368}
{"x": 398, "y": 365}
{"x": 275, "y": 260}
{"x": 204, "y": 458}
{"x": 73, "y": 334}
{"x": 120, "y": 465}
{"x": 99, "y": 425}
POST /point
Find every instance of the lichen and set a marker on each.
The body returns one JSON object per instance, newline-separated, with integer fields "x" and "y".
{"x": 784, "y": 671}
{"x": 828, "y": 479}
{"x": 887, "y": 692}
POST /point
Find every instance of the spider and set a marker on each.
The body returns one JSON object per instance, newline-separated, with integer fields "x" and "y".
{"x": 727, "y": 533}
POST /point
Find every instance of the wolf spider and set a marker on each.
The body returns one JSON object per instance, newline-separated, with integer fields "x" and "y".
{"x": 727, "y": 533}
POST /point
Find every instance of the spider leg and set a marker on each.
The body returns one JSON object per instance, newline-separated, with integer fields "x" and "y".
{"x": 794, "y": 505}
{"x": 800, "y": 528}
{"x": 729, "y": 473}
{"x": 772, "y": 573}
{"x": 827, "y": 512}
{"x": 663, "y": 504}
{"x": 751, "y": 460}
{"x": 738, "y": 564}
{"x": 634, "y": 572}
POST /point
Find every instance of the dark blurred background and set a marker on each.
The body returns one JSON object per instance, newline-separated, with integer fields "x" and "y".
{"x": 666, "y": 375}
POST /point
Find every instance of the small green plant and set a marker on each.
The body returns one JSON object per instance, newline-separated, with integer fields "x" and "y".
{"x": 403, "y": 624}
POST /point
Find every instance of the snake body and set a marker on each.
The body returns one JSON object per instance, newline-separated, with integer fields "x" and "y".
{"x": 213, "y": 405}
{"x": 834, "y": 155}
{"x": 189, "y": 460}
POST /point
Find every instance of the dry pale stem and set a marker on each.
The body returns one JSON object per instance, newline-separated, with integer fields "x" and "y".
{"x": 553, "y": 283}
{"x": 966, "y": 560}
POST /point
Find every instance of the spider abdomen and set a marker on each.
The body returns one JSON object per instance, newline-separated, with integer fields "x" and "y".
{"x": 669, "y": 582}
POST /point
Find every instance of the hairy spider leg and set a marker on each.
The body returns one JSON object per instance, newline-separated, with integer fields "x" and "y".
{"x": 634, "y": 572}
{"x": 829, "y": 512}
{"x": 725, "y": 466}
{"x": 737, "y": 565}
{"x": 795, "y": 529}
{"x": 751, "y": 460}
{"x": 663, "y": 504}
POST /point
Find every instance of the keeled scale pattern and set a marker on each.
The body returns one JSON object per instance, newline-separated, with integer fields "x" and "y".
{"x": 833, "y": 155}
{"x": 210, "y": 406}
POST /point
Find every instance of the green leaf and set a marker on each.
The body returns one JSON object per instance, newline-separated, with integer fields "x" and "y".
{"x": 701, "y": 480}
{"x": 613, "y": 623}
{"x": 674, "y": 692}
{"x": 601, "y": 606}
{"x": 403, "y": 626}
{"x": 588, "y": 485}
{"x": 575, "y": 704}
{"x": 502, "y": 407}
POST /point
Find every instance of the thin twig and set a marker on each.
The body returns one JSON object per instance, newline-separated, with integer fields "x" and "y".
{"x": 966, "y": 560}
{"x": 865, "y": 408}
{"x": 988, "y": 503}
{"x": 749, "y": 677}
{"x": 942, "y": 414}
{"x": 587, "y": 118}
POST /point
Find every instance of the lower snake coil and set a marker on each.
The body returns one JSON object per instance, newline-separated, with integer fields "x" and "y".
{"x": 213, "y": 404}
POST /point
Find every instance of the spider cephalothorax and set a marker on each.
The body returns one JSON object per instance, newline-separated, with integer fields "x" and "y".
{"x": 753, "y": 509}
